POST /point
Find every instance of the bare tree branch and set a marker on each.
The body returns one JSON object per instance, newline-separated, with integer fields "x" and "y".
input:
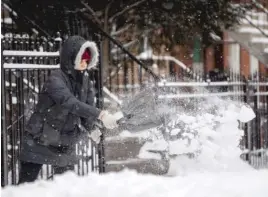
{"x": 127, "y": 45}
{"x": 116, "y": 33}
{"x": 126, "y": 9}
{"x": 106, "y": 15}
{"x": 92, "y": 12}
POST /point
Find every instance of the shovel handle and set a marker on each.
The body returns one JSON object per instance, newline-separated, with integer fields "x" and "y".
{"x": 121, "y": 121}
{"x": 100, "y": 125}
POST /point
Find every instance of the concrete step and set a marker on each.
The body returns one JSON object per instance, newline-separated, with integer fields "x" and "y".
{"x": 145, "y": 166}
{"x": 122, "y": 148}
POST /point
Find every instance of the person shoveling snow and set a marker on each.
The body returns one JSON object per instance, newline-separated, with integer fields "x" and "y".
{"x": 64, "y": 105}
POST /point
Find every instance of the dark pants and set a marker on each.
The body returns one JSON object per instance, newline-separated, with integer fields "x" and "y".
{"x": 29, "y": 171}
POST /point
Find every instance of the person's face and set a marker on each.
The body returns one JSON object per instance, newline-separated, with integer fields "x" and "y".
{"x": 83, "y": 65}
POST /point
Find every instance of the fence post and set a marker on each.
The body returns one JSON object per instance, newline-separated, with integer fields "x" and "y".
{"x": 21, "y": 107}
{"x": 4, "y": 151}
{"x": 256, "y": 130}
{"x": 99, "y": 83}
{"x": 266, "y": 115}
{"x": 246, "y": 128}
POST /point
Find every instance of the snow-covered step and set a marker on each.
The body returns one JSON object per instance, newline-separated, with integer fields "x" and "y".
{"x": 263, "y": 40}
{"x": 252, "y": 30}
{"x": 256, "y": 15}
{"x": 258, "y": 22}
{"x": 122, "y": 148}
{"x": 145, "y": 166}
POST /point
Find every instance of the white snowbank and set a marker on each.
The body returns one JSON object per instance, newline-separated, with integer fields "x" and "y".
{"x": 129, "y": 183}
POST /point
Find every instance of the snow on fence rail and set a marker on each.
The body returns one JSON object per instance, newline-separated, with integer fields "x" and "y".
{"x": 196, "y": 84}
{"x": 258, "y": 83}
{"x": 261, "y": 93}
{"x": 29, "y": 66}
{"x": 30, "y": 53}
{"x": 198, "y": 95}
{"x": 16, "y": 53}
{"x": 219, "y": 83}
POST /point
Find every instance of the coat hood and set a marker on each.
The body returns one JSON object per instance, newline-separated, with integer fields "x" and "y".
{"x": 72, "y": 51}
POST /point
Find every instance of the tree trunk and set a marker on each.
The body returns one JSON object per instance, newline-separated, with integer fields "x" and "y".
{"x": 105, "y": 47}
{"x": 105, "y": 58}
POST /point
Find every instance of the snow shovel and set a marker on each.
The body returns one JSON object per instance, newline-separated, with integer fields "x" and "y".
{"x": 138, "y": 113}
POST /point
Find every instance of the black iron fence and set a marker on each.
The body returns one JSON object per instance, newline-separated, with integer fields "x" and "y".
{"x": 253, "y": 92}
{"x": 256, "y": 131}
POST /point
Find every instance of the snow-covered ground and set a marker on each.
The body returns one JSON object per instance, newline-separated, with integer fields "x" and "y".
{"x": 212, "y": 134}
{"x": 127, "y": 184}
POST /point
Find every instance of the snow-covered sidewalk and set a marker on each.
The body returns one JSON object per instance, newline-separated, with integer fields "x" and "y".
{"x": 128, "y": 183}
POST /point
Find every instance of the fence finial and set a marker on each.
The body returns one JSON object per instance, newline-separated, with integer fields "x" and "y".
{"x": 58, "y": 41}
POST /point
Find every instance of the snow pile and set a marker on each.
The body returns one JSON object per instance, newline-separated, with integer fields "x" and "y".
{"x": 129, "y": 183}
{"x": 204, "y": 139}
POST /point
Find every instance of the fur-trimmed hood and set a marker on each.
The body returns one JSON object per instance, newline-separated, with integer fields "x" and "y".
{"x": 71, "y": 53}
